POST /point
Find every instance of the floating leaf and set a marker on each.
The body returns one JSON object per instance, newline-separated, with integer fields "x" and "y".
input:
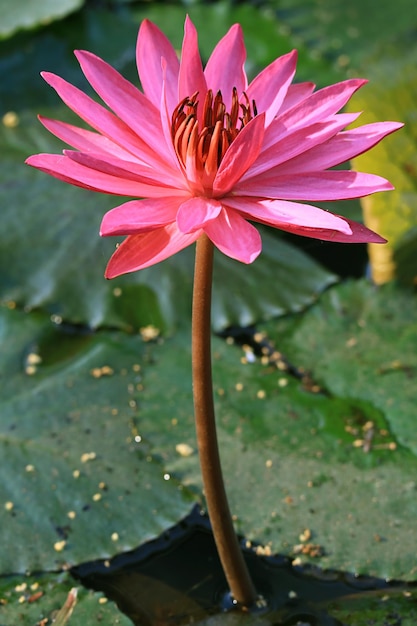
{"x": 348, "y": 32}
{"x": 23, "y": 15}
{"x": 295, "y": 459}
{"x": 377, "y": 608}
{"x": 75, "y": 462}
{"x": 109, "y": 34}
{"x": 305, "y": 449}
{"x": 34, "y": 598}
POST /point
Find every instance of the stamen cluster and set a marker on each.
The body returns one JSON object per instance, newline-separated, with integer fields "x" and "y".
{"x": 206, "y": 140}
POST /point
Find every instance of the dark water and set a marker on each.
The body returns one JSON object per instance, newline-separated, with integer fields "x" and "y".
{"x": 178, "y": 579}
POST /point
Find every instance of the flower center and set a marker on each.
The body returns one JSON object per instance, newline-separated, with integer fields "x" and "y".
{"x": 200, "y": 143}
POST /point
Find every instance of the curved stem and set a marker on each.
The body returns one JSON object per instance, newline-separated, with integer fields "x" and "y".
{"x": 230, "y": 554}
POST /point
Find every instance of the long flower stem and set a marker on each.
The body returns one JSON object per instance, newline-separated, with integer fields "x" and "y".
{"x": 234, "y": 566}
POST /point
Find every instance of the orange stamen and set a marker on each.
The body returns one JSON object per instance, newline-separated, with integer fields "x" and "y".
{"x": 206, "y": 141}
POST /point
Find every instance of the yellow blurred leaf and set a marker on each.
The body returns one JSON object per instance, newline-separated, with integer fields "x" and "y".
{"x": 391, "y": 95}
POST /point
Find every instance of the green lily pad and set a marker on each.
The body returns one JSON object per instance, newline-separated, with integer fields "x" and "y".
{"x": 369, "y": 335}
{"x": 295, "y": 459}
{"x": 30, "y": 599}
{"x": 111, "y": 35}
{"x": 347, "y": 33}
{"x": 376, "y": 608}
{"x": 23, "y": 15}
{"x": 93, "y": 438}
{"x": 75, "y": 464}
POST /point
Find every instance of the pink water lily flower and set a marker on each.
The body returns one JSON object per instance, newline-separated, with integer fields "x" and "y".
{"x": 202, "y": 151}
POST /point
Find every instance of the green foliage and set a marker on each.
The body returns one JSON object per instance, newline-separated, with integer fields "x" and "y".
{"x": 24, "y": 14}
{"x": 360, "y": 343}
{"x": 347, "y": 33}
{"x": 74, "y": 465}
{"x": 26, "y": 600}
{"x": 299, "y": 446}
{"x": 376, "y": 608}
{"x": 96, "y": 393}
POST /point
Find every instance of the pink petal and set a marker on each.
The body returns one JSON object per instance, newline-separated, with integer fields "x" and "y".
{"x": 340, "y": 148}
{"x": 129, "y": 104}
{"x": 146, "y": 249}
{"x": 225, "y": 68}
{"x": 234, "y": 236}
{"x": 96, "y": 115}
{"x": 359, "y": 233}
{"x": 191, "y": 76}
{"x": 280, "y": 213}
{"x": 270, "y": 87}
{"x": 166, "y": 121}
{"x": 152, "y": 47}
{"x": 295, "y": 94}
{"x": 127, "y": 170}
{"x": 69, "y": 171}
{"x": 85, "y": 140}
{"x": 240, "y": 155}
{"x": 291, "y": 144}
{"x": 318, "y": 107}
{"x": 195, "y": 213}
{"x": 312, "y": 186}
{"x": 139, "y": 216}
